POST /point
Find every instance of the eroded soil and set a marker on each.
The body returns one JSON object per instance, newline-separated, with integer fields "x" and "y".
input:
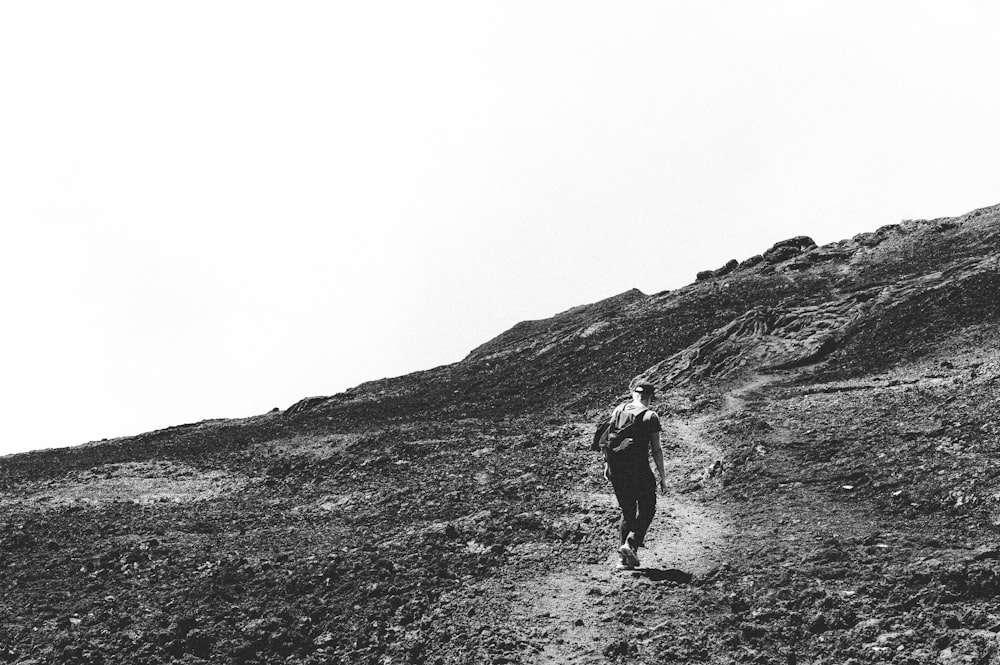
{"x": 834, "y": 492}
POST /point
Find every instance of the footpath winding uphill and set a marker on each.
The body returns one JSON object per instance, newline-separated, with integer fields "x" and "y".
{"x": 806, "y": 522}
{"x": 584, "y": 611}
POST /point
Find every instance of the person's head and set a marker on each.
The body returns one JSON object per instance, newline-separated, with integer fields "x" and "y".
{"x": 643, "y": 391}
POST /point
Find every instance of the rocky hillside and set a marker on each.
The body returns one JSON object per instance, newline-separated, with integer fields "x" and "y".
{"x": 831, "y": 413}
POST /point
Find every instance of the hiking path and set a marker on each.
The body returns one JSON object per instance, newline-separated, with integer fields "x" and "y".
{"x": 576, "y": 613}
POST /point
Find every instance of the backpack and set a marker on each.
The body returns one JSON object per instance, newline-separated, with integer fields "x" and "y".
{"x": 622, "y": 425}
{"x": 600, "y": 441}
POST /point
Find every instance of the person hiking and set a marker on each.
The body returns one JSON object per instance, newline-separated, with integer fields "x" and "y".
{"x": 634, "y": 432}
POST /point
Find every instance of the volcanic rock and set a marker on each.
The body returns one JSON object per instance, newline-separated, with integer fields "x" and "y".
{"x": 829, "y": 427}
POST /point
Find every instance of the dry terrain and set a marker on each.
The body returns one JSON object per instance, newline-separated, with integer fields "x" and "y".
{"x": 831, "y": 421}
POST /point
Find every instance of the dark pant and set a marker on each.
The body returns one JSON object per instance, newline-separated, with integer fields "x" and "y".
{"x": 636, "y": 494}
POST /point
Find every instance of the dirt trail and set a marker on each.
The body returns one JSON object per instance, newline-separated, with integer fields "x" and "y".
{"x": 575, "y": 611}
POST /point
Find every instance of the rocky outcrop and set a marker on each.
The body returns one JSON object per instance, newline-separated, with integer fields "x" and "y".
{"x": 766, "y": 338}
{"x": 799, "y": 242}
{"x": 762, "y": 337}
{"x": 306, "y": 404}
{"x": 730, "y": 266}
{"x": 786, "y": 249}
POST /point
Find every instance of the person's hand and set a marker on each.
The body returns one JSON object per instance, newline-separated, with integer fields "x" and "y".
{"x": 607, "y": 471}
{"x": 663, "y": 485}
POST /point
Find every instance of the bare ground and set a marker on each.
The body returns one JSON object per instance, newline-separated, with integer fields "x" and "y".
{"x": 841, "y": 510}
{"x": 573, "y": 613}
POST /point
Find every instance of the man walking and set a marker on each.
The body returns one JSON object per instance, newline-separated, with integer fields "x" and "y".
{"x": 634, "y": 433}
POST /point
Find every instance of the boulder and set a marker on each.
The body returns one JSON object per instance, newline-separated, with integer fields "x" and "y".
{"x": 730, "y": 266}
{"x": 778, "y": 254}
{"x": 869, "y": 239}
{"x": 799, "y": 242}
{"x": 786, "y": 249}
{"x": 888, "y": 229}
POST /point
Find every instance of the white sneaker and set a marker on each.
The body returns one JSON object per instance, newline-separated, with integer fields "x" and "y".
{"x": 629, "y": 559}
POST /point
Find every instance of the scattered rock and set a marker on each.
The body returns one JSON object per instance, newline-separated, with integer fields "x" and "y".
{"x": 620, "y": 648}
{"x": 404, "y": 522}
{"x": 819, "y": 623}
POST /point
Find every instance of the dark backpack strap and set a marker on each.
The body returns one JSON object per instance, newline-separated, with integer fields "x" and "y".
{"x": 639, "y": 416}
{"x": 636, "y": 417}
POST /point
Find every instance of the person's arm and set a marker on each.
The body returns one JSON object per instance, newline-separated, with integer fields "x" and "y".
{"x": 654, "y": 446}
{"x": 607, "y": 468}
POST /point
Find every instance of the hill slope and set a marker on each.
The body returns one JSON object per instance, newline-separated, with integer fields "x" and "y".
{"x": 832, "y": 411}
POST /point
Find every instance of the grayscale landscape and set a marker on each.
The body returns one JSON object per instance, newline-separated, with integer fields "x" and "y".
{"x": 830, "y": 435}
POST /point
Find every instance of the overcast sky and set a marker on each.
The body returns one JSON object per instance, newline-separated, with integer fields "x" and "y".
{"x": 210, "y": 209}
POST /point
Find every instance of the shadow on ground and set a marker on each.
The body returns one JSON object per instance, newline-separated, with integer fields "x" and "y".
{"x": 663, "y": 575}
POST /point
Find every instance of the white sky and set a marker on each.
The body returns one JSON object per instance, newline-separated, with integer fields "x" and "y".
{"x": 209, "y": 209}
